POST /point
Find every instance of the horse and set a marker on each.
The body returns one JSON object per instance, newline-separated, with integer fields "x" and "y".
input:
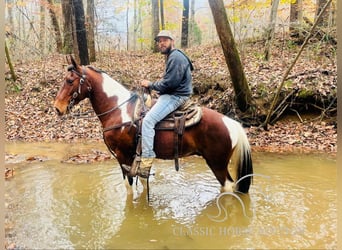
{"x": 220, "y": 140}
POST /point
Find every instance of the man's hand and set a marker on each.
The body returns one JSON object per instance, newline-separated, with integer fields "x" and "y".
{"x": 145, "y": 83}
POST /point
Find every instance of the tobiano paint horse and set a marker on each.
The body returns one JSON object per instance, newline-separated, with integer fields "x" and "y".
{"x": 220, "y": 140}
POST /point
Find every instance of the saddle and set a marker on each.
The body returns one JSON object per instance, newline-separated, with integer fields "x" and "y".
{"x": 187, "y": 115}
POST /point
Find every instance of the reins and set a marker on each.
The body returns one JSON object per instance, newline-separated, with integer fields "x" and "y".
{"x": 83, "y": 78}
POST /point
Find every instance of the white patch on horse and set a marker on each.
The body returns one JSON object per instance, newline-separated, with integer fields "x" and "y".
{"x": 113, "y": 88}
{"x": 228, "y": 186}
{"x": 233, "y": 129}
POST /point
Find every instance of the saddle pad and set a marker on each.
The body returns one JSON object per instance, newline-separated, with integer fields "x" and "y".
{"x": 192, "y": 116}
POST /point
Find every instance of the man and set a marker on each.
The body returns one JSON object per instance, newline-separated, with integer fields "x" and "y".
{"x": 174, "y": 89}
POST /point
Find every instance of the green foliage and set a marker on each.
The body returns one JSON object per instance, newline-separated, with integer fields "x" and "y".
{"x": 288, "y": 84}
{"x": 14, "y": 87}
{"x": 290, "y": 44}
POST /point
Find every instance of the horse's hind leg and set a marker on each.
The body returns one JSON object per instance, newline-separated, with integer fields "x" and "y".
{"x": 221, "y": 173}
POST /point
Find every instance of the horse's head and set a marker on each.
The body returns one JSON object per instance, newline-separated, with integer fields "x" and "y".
{"x": 73, "y": 88}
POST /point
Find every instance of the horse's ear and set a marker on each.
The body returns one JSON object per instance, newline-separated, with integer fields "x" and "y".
{"x": 73, "y": 62}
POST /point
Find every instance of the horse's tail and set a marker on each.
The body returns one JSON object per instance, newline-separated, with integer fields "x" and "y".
{"x": 243, "y": 160}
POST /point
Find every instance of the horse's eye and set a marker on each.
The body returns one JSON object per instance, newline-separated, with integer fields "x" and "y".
{"x": 70, "y": 81}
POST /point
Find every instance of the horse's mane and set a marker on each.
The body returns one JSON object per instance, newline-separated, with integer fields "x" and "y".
{"x": 95, "y": 69}
{"x": 71, "y": 68}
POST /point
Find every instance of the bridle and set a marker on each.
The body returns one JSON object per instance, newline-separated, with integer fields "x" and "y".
{"x": 83, "y": 79}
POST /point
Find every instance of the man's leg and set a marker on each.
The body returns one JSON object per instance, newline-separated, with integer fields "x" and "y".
{"x": 164, "y": 106}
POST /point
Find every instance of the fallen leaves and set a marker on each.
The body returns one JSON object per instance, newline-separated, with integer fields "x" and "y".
{"x": 294, "y": 136}
{"x": 29, "y": 113}
{"x": 94, "y": 156}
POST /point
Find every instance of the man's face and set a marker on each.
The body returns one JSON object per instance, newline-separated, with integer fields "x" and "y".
{"x": 165, "y": 45}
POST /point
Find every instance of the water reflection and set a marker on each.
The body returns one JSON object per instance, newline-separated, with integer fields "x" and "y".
{"x": 57, "y": 205}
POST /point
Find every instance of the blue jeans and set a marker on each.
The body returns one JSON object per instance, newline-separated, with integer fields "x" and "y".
{"x": 164, "y": 106}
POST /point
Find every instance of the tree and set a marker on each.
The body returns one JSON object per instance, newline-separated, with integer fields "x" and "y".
{"x": 271, "y": 28}
{"x": 68, "y": 27}
{"x": 155, "y": 23}
{"x": 90, "y": 29}
{"x": 162, "y": 14}
{"x": 81, "y": 34}
{"x": 296, "y": 15}
{"x": 231, "y": 54}
{"x": 42, "y": 29}
{"x": 127, "y": 26}
{"x": 185, "y": 24}
{"x": 55, "y": 25}
{"x": 9, "y": 61}
{"x": 324, "y": 20}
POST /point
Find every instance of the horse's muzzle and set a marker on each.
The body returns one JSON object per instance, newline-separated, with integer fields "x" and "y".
{"x": 58, "y": 112}
{"x": 60, "y": 109}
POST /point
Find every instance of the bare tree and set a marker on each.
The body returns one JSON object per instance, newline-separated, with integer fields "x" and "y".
{"x": 192, "y": 22}
{"x": 42, "y": 29}
{"x": 185, "y": 24}
{"x": 127, "y": 25}
{"x": 81, "y": 33}
{"x": 271, "y": 28}
{"x": 90, "y": 29}
{"x": 68, "y": 27}
{"x": 55, "y": 25}
{"x": 155, "y": 23}
{"x": 239, "y": 81}
{"x": 296, "y": 15}
{"x": 324, "y": 20}
{"x": 9, "y": 61}
{"x": 162, "y": 14}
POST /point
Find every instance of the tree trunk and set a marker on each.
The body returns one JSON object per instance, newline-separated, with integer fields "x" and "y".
{"x": 90, "y": 30}
{"x": 162, "y": 14}
{"x": 324, "y": 20}
{"x": 127, "y": 26}
{"x": 42, "y": 30}
{"x": 81, "y": 33}
{"x": 271, "y": 28}
{"x": 239, "y": 81}
{"x": 14, "y": 76}
{"x": 67, "y": 27}
{"x": 296, "y": 16}
{"x": 135, "y": 25}
{"x": 55, "y": 25}
{"x": 155, "y": 23}
{"x": 185, "y": 24}
{"x": 192, "y": 23}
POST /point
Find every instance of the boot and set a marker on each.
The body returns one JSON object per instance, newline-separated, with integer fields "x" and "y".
{"x": 145, "y": 167}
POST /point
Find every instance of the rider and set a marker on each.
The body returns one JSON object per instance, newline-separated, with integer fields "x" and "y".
{"x": 174, "y": 89}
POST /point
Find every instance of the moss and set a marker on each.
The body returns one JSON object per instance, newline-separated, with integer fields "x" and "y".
{"x": 305, "y": 93}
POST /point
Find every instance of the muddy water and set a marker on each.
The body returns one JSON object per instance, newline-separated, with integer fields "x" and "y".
{"x": 55, "y": 205}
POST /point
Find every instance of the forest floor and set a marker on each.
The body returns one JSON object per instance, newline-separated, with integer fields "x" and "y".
{"x": 308, "y": 123}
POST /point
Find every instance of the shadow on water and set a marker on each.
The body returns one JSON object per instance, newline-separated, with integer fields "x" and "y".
{"x": 52, "y": 204}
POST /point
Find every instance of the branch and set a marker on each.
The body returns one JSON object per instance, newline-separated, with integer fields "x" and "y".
{"x": 292, "y": 65}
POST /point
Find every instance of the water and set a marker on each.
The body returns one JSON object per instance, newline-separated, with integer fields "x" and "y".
{"x": 51, "y": 204}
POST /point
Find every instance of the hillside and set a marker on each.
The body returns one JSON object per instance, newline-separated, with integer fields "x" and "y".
{"x": 307, "y": 122}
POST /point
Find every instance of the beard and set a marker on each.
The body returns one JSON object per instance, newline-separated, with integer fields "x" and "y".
{"x": 165, "y": 50}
